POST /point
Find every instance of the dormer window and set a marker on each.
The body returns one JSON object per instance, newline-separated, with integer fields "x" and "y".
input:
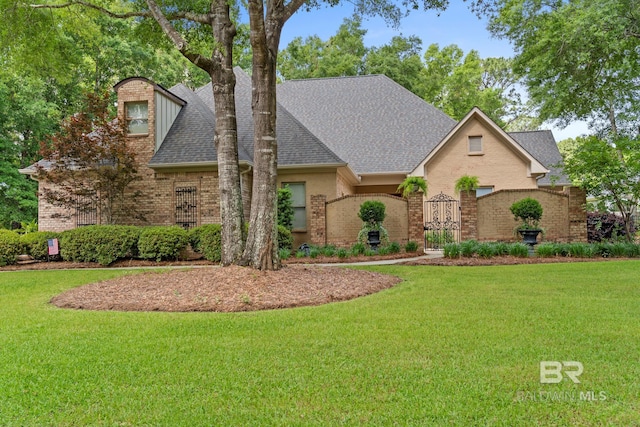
{"x": 475, "y": 145}
{"x": 137, "y": 118}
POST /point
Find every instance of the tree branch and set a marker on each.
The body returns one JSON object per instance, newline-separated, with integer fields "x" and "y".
{"x": 195, "y": 17}
{"x": 177, "y": 39}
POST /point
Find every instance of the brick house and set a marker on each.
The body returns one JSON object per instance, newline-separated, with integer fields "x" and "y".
{"x": 340, "y": 142}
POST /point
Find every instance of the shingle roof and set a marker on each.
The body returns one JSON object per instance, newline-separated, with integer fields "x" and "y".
{"x": 371, "y": 122}
{"x": 542, "y": 145}
{"x": 368, "y": 122}
{"x": 190, "y": 139}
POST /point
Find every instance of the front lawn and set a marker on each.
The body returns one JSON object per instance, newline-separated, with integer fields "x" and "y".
{"x": 450, "y": 345}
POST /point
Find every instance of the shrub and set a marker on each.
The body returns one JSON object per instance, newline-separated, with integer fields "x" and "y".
{"x": 284, "y": 253}
{"x": 372, "y": 212}
{"x": 579, "y": 250}
{"x": 485, "y": 250}
{"x": 384, "y": 250}
{"x": 528, "y": 211}
{"x": 546, "y": 250}
{"x": 363, "y": 234}
{"x": 314, "y": 253}
{"x": 520, "y": 250}
{"x": 411, "y": 246}
{"x": 285, "y": 207}
{"x": 37, "y": 243}
{"x": 99, "y": 243}
{"x": 207, "y": 240}
{"x": 342, "y": 253}
{"x": 451, "y": 250}
{"x": 604, "y": 226}
{"x": 161, "y": 243}
{"x": 328, "y": 250}
{"x": 358, "y": 249}
{"x": 285, "y": 238}
{"x": 394, "y": 248}
{"x": 468, "y": 248}
{"x": 10, "y": 247}
{"x": 501, "y": 248}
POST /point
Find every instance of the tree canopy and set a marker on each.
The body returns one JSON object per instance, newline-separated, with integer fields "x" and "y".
{"x": 579, "y": 58}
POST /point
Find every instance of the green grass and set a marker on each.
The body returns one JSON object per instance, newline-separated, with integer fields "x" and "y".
{"x": 448, "y": 346}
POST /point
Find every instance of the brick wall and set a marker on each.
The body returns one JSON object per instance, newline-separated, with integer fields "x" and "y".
{"x": 563, "y": 218}
{"x": 415, "y": 212}
{"x": 468, "y": 215}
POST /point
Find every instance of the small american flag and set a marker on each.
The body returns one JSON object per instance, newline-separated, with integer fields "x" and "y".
{"x": 53, "y": 246}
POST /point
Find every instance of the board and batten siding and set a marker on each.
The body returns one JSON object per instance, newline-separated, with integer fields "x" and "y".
{"x": 166, "y": 112}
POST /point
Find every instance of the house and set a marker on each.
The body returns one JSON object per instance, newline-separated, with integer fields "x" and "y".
{"x": 337, "y": 137}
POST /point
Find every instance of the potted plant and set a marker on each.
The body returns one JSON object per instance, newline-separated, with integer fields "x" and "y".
{"x": 466, "y": 183}
{"x": 528, "y": 212}
{"x": 372, "y": 213}
{"x": 412, "y": 184}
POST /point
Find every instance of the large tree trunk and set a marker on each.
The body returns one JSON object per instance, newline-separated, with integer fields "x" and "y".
{"x": 226, "y": 141}
{"x": 220, "y": 68}
{"x": 261, "y": 250}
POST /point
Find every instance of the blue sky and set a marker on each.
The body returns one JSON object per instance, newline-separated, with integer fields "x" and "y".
{"x": 457, "y": 25}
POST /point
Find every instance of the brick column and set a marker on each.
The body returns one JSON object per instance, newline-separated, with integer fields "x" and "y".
{"x": 468, "y": 215}
{"x": 415, "y": 212}
{"x": 318, "y": 226}
{"x": 577, "y": 214}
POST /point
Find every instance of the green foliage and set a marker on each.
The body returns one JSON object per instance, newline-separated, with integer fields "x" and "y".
{"x": 36, "y": 243}
{"x": 285, "y": 238}
{"x": 284, "y": 253}
{"x": 466, "y": 183}
{"x": 162, "y": 243}
{"x": 394, "y": 248}
{"x": 358, "y": 249}
{"x": 528, "y": 211}
{"x": 575, "y": 70}
{"x": 285, "y": 207}
{"x": 468, "y": 248}
{"x": 452, "y": 250}
{"x": 328, "y": 250}
{"x": 342, "y": 253}
{"x": 411, "y": 185}
{"x": 485, "y": 250}
{"x": 545, "y": 250}
{"x": 411, "y": 246}
{"x": 206, "y": 239}
{"x": 99, "y": 243}
{"x": 439, "y": 238}
{"x": 10, "y": 247}
{"x": 363, "y": 234}
{"x": 519, "y": 249}
{"x": 372, "y": 212}
{"x": 610, "y": 172}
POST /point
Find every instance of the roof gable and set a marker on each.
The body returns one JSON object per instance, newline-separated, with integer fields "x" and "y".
{"x": 534, "y": 166}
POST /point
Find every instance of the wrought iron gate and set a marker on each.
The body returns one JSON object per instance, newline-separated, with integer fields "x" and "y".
{"x": 442, "y": 221}
{"x": 186, "y": 207}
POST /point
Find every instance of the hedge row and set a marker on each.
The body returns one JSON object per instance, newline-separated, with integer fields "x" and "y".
{"x": 105, "y": 244}
{"x": 472, "y": 248}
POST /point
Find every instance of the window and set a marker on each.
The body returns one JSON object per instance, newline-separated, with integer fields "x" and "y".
{"x": 186, "y": 207}
{"x": 86, "y": 210}
{"x": 475, "y": 145}
{"x": 137, "y": 118}
{"x": 481, "y": 191}
{"x": 298, "y": 201}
